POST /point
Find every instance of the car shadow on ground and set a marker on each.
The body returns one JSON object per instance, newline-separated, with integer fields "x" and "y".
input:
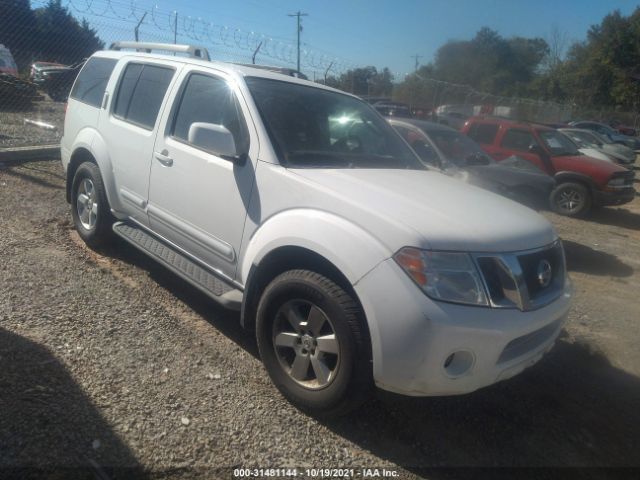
{"x": 615, "y": 217}
{"x": 573, "y": 409}
{"x": 581, "y": 258}
{"x": 40, "y": 177}
{"x": 48, "y": 426}
{"x": 224, "y": 320}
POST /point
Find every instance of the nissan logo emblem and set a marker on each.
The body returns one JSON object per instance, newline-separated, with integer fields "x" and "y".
{"x": 544, "y": 273}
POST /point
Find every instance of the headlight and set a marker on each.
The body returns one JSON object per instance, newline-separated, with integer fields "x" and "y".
{"x": 451, "y": 277}
{"x": 617, "y": 182}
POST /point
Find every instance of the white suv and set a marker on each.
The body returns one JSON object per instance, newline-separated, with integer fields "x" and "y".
{"x": 298, "y": 205}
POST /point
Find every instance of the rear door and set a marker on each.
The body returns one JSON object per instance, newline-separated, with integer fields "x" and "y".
{"x": 138, "y": 91}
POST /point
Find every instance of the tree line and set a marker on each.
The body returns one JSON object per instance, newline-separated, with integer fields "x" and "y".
{"x": 49, "y": 33}
{"x": 602, "y": 71}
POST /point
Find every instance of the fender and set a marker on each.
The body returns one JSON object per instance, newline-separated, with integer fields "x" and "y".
{"x": 567, "y": 176}
{"x": 348, "y": 247}
{"x": 101, "y": 155}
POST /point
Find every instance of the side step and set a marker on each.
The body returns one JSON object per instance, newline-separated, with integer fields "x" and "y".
{"x": 178, "y": 263}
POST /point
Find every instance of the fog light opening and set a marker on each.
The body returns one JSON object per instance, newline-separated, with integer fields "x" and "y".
{"x": 458, "y": 363}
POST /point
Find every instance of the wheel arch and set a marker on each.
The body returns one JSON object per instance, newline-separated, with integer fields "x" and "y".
{"x": 575, "y": 177}
{"x": 280, "y": 260}
{"x": 91, "y": 148}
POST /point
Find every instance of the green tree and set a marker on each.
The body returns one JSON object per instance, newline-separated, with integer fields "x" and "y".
{"x": 62, "y": 38}
{"x": 17, "y": 30}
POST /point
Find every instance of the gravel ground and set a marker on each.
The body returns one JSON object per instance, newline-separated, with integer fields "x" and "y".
{"x": 15, "y": 133}
{"x": 110, "y": 365}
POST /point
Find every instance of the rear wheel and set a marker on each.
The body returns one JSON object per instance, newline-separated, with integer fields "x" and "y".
{"x": 313, "y": 343}
{"x": 89, "y": 206}
{"x": 571, "y": 199}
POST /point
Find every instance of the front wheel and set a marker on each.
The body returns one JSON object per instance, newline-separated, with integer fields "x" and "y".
{"x": 571, "y": 199}
{"x": 89, "y": 206}
{"x": 314, "y": 344}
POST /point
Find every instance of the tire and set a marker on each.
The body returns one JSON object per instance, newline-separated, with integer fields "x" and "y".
{"x": 336, "y": 376}
{"x": 571, "y": 199}
{"x": 89, "y": 206}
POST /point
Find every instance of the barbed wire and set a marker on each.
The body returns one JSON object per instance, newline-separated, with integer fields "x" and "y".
{"x": 242, "y": 42}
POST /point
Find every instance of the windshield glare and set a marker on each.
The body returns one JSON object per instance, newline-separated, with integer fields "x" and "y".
{"x": 558, "y": 143}
{"x": 316, "y": 128}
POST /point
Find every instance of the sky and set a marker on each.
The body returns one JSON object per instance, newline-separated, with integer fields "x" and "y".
{"x": 388, "y": 33}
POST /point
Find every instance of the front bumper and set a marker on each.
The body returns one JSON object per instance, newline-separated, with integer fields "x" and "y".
{"x": 619, "y": 197}
{"x": 413, "y": 337}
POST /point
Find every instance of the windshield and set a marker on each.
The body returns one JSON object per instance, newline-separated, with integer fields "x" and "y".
{"x": 315, "y": 128}
{"x": 558, "y": 143}
{"x": 582, "y": 139}
{"x": 458, "y": 148}
{"x": 603, "y": 138}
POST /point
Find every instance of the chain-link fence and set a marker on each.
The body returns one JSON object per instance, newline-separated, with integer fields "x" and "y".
{"x": 45, "y": 43}
{"x": 451, "y": 104}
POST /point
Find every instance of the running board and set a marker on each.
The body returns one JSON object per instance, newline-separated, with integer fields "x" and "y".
{"x": 181, "y": 265}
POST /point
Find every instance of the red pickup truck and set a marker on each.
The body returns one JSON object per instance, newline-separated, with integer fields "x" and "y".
{"x": 582, "y": 182}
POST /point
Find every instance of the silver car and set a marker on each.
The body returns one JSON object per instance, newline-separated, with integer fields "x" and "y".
{"x": 589, "y": 139}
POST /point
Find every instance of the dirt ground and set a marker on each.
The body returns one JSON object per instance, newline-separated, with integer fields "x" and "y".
{"x": 14, "y": 132}
{"x": 111, "y": 366}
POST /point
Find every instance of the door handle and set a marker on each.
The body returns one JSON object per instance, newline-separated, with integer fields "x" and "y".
{"x": 164, "y": 158}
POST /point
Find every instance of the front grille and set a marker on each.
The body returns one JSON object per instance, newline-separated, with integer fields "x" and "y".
{"x": 525, "y": 280}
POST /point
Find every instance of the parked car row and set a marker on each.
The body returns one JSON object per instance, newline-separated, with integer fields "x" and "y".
{"x": 570, "y": 169}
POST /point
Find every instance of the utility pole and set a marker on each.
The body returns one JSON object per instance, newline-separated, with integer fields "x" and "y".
{"x": 416, "y": 57}
{"x": 298, "y": 14}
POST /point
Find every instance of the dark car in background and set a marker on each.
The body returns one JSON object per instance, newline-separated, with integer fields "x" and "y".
{"x": 58, "y": 82}
{"x": 39, "y": 71}
{"x": 623, "y": 129}
{"x": 621, "y": 154}
{"x": 457, "y": 155}
{"x": 609, "y": 132}
{"x": 582, "y": 182}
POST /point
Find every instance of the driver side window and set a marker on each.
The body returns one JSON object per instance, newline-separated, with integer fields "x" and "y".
{"x": 210, "y": 100}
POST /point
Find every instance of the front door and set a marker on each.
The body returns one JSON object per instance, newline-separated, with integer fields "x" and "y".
{"x": 198, "y": 200}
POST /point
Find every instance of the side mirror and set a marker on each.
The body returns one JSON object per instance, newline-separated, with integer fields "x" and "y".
{"x": 536, "y": 149}
{"x": 216, "y": 139}
{"x": 426, "y": 153}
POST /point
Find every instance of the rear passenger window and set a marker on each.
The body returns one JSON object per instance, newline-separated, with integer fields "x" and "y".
{"x": 92, "y": 80}
{"x": 517, "y": 140}
{"x": 140, "y": 93}
{"x": 210, "y": 100}
{"x": 483, "y": 133}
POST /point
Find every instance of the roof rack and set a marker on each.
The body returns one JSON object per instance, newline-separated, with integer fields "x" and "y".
{"x": 192, "y": 50}
{"x": 291, "y": 72}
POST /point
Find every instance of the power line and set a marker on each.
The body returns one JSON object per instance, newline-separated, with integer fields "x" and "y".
{"x": 299, "y": 14}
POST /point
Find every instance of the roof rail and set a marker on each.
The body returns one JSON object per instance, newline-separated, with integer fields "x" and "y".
{"x": 192, "y": 50}
{"x": 291, "y": 72}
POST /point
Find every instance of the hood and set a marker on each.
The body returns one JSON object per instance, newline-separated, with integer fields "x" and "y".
{"x": 436, "y": 211}
{"x": 586, "y": 165}
{"x": 620, "y": 152}
{"x": 512, "y": 176}
{"x": 595, "y": 153}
